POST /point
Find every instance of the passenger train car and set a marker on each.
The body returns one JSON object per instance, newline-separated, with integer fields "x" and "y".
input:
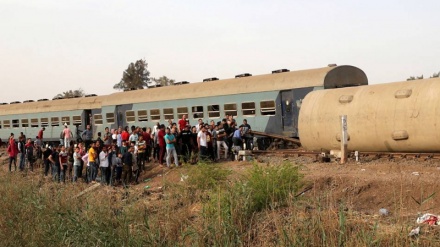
{"x": 270, "y": 103}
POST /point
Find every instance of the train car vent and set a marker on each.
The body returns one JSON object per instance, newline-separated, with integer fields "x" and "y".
{"x": 332, "y": 65}
{"x": 181, "y": 83}
{"x": 400, "y": 135}
{"x": 243, "y": 75}
{"x": 42, "y": 100}
{"x": 210, "y": 79}
{"x": 90, "y": 95}
{"x": 280, "y": 71}
{"x": 15, "y": 102}
{"x": 403, "y": 93}
{"x": 344, "y": 99}
{"x": 28, "y": 101}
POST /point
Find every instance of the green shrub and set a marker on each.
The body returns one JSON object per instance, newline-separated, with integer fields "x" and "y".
{"x": 207, "y": 176}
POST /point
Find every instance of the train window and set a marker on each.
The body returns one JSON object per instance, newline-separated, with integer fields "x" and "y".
{"x": 44, "y": 122}
{"x": 65, "y": 120}
{"x": 1, "y": 125}
{"x": 213, "y": 111}
{"x": 15, "y": 123}
{"x": 110, "y": 117}
{"x": 76, "y": 120}
{"x": 98, "y": 119}
{"x": 130, "y": 116}
{"x": 25, "y": 123}
{"x": 248, "y": 108}
{"x": 142, "y": 115}
{"x": 181, "y": 111}
{"x": 34, "y": 122}
{"x": 7, "y": 124}
{"x": 197, "y": 112}
{"x": 155, "y": 114}
{"x": 168, "y": 113}
{"x": 231, "y": 109}
{"x": 267, "y": 107}
{"x": 55, "y": 121}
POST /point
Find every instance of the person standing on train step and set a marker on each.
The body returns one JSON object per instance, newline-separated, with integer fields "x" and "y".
{"x": 12, "y": 151}
{"x": 22, "y": 152}
{"x": 41, "y": 134}
{"x": 87, "y": 136}
{"x": 183, "y": 122}
{"x": 161, "y": 143}
{"x": 202, "y": 143}
{"x": 67, "y": 135}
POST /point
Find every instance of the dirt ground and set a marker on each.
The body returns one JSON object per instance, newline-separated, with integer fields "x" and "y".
{"x": 404, "y": 187}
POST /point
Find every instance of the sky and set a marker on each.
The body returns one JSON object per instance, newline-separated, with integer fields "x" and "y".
{"x": 47, "y": 47}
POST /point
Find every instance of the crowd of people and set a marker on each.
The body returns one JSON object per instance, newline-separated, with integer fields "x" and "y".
{"x": 120, "y": 155}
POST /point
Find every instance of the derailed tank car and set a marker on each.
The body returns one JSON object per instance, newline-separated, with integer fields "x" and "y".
{"x": 392, "y": 117}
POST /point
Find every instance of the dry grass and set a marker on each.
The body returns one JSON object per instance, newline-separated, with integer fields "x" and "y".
{"x": 211, "y": 208}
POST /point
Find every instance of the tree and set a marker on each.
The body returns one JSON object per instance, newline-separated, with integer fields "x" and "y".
{"x": 71, "y": 93}
{"x": 435, "y": 75}
{"x": 135, "y": 76}
{"x": 163, "y": 81}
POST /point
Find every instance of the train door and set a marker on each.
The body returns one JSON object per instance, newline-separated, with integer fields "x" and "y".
{"x": 287, "y": 114}
{"x": 87, "y": 120}
{"x": 119, "y": 116}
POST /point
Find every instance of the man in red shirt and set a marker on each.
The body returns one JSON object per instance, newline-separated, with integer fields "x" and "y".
{"x": 183, "y": 122}
{"x": 40, "y": 134}
{"x": 161, "y": 142}
{"x": 125, "y": 135}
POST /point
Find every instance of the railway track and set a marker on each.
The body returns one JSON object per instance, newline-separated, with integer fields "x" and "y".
{"x": 323, "y": 156}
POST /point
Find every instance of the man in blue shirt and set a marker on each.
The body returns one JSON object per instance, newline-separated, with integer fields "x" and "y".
{"x": 170, "y": 140}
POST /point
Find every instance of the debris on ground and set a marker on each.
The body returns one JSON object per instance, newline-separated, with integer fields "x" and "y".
{"x": 414, "y": 232}
{"x": 430, "y": 219}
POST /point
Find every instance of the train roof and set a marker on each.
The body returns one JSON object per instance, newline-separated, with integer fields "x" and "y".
{"x": 327, "y": 77}
{"x": 52, "y": 105}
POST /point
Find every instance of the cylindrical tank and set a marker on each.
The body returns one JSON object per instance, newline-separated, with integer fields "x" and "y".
{"x": 392, "y": 117}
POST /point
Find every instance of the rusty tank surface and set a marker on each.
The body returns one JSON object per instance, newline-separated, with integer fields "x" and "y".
{"x": 391, "y": 117}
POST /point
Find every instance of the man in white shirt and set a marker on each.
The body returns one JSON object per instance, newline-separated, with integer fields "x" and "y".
{"x": 202, "y": 143}
{"x": 103, "y": 157}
